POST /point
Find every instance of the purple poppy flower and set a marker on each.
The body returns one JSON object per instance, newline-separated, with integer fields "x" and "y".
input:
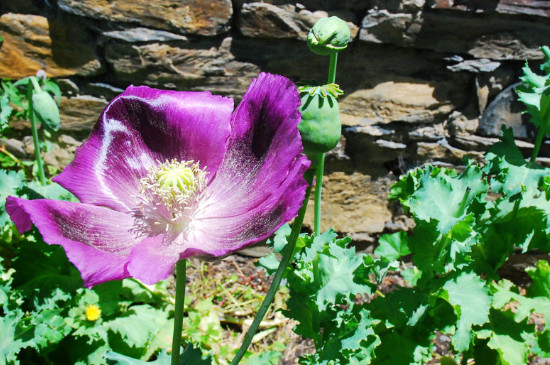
{"x": 166, "y": 175}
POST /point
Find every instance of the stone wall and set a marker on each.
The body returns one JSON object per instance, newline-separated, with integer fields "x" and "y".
{"x": 425, "y": 81}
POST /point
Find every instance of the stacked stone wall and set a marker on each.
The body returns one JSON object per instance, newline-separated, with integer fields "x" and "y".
{"x": 425, "y": 81}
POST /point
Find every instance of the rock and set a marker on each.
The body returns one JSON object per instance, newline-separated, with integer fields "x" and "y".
{"x": 104, "y": 90}
{"x": 495, "y": 38}
{"x": 143, "y": 35}
{"x": 527, "y": 7}
{"x": 381, "y": 26}
{"x": 398, "y": 5}
{"x": 442, "y": 151}
{"x": 475, "y": 66}
{"x": 505, "y": 110}
{"x": 80, "y": 113}
{"x": 166, "y": 66}
{"x": 354, "y": 203}
{"x": 33, "y": 43}
{"x": 407, "y": 100}
{"x": 197, "y": 17}
{"x": 523, "y": 7}
{"x": 14, "y": 146}
{"x": 58, "y": 157}
{"x": 22, "y": 6}
{"x": 287, "y": 21}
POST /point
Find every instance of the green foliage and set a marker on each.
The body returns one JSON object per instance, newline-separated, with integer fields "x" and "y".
{"x": 14, "y": 102}
{"x": 535, "y": 92}
{"x": 467, "y": 225}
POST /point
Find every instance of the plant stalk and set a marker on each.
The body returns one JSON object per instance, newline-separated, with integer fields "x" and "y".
{"x": 332, "y": 68}
{"x": 317, "y": 196}
{"x": 321, "y": 166}
{"x": 35, "y": 140}
{"x": 287, "y": 256}
{"x": 538, "y": 142}
{"x": 178, "y": 311}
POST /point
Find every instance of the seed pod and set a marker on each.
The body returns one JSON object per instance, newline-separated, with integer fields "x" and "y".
{"x": 328, "y": 36}
{"x": 320, "y": 127}
{"x": 46, "y": 109}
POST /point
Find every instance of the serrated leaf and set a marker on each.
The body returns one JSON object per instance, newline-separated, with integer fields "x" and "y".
{"x": 10, "y": 345}
{"x": 445, "y": 198}
{"x": 472, "y": 302}
{"x": 139, "y": 327}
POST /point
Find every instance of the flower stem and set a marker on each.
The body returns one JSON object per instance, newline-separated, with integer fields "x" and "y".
{"x": 332, "y": 68}
{"x": 321, "y": 157}
{"x": 35, "y": 140}
{"x": 538, "y": 142}
{"x": 178, "y": 311}
{"x": 318, "y": 191}
{"x": 287, "y": 256}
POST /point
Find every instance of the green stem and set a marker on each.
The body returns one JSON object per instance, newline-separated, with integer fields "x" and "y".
{"x": 332, "y": 68}
{"x": 318, "y": 191}
{"x": 35, "y": 140}
{"x": 178, "y": 311}
{"x": 287, "y": 256}
{"x": 540, "y": 136}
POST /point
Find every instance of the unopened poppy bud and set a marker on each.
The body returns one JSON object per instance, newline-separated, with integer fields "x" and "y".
{"x": 328, "y": 36}
{"x": 320, "y": 127}
{"x": 46, "y": 109}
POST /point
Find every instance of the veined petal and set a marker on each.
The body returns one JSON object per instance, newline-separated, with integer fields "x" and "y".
{"x": 264, "y": 146}
{"x": 234, "y": 232}
{"x": 139, "y": 128}
{"x": 260, "y": 183}
{"x": 97, "y": 240}
{"x": 152, "y": 261}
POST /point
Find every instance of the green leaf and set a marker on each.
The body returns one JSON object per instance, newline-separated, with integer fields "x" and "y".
{"x": 190, "y": 356}
{"x": 445, "y": 198}
{"x": 10, "y": 344}
{"x": 510, "y": 339}
{"x": 541, "y": 280}
{"x": 42, "y": 268}
{"x": 10, "y": 182}
{"x": 472, "y": 302}
{"x": 393, "y": 246}
{"x": 5, "y": 111}
{"x": 34, "y": 190}
{"x": 139, "y": 327}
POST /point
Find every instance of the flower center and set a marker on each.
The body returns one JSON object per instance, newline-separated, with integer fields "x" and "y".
{"x": 168, "y": 197}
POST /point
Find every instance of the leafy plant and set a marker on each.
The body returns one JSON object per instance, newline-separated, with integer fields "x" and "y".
{"x": 467, "y": 226}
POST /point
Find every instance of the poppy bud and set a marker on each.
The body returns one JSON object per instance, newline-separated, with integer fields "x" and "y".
{"x": 320, "y": 127}
{"x": 46, "y": 109}
{"x": 328, "y": 36}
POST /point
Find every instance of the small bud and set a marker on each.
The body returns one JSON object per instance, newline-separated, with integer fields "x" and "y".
{"x": 328, "y": 36}
{"x": 46, "y": 109}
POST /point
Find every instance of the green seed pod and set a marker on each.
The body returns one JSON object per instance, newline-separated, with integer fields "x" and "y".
{"x": 46, "y": 109}
{"x": 328, "y": 36}
{"x": 320, "y": 127}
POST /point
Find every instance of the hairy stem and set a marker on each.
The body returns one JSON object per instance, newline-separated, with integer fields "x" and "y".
{"x": 178, "y": 311}
{"x": 35, "y": 140}
{"x": 285, "y": 260}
